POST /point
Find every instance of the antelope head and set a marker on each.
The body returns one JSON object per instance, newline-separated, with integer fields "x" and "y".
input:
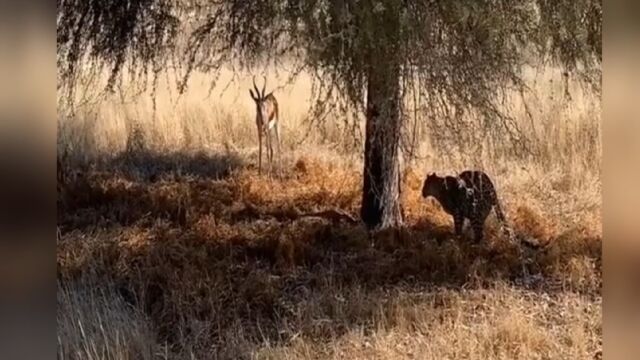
{"x": 263, "y": 110}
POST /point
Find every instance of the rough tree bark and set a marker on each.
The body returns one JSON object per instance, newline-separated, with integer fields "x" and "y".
{"x": 381, "y": 189}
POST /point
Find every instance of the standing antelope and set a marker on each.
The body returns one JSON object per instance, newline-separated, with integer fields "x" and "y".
{"x": 266, "y": 120}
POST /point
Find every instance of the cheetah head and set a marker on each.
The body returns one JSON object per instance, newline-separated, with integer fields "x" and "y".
{"x": 432, "y": 185}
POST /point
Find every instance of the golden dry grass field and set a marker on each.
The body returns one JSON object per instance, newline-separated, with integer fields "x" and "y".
{"x": 171, "y": 246}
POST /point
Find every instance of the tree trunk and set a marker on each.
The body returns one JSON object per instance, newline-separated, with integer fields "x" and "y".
{"x": 381, "y": 189}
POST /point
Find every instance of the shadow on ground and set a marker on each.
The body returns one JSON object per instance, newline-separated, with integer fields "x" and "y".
{"x": 152, "y": 166}
{"x": 206, "y": 260}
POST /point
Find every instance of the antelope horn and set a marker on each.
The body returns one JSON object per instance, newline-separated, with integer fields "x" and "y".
{"x": 264, "y": 86}
{"x": 255, "y": 87}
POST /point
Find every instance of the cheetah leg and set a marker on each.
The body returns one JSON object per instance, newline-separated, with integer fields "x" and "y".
{"x": 458, "y": 221}
{"x": 478, "y": 229}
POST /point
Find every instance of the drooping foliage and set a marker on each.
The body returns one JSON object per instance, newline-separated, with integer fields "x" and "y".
{"x": 456, "y": 55}
{"x": 94, "y": 34}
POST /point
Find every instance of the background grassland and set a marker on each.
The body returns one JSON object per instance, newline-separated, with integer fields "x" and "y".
{"x": 170, "y": 245}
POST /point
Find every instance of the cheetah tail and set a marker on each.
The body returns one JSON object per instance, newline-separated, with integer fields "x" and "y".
{"x": 506, "y": 228}
{"x": 499, "y": 213}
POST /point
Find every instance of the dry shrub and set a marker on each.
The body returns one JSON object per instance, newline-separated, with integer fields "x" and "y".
{"x": 414, "y": 206}
{"x": 94, "y": 322}
{"x": 297, "y": 242}
{"x": 582, "y": 274}
{"x": 516, "y": 335}
{"x": 312, "y": 185}
{"x": 494, "y": 323}
{"x": 245, "y": 271}
{"x": 532, "y": 226}
{"x": 574, "y": 260}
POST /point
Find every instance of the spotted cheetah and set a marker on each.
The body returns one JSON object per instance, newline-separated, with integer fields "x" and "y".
{"x": 470, "y": 195}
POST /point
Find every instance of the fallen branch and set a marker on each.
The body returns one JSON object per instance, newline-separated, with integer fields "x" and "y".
{"x": 332, "y": 214}
{"x": 293, "y": 213}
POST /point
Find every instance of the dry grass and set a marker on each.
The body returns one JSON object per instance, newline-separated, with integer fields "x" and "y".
{"x": 562, "y": 133}
{"x": 94, "y": 322}
{"x": 176, "y": 248}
